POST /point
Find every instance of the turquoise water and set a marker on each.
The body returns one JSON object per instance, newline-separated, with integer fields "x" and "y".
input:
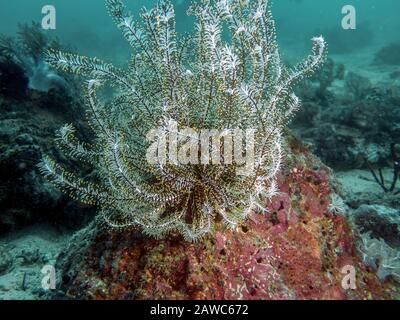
{"x": 86, "y": 24}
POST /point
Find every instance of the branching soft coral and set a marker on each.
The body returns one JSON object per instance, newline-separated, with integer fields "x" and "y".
{"x": 201, "y": 82}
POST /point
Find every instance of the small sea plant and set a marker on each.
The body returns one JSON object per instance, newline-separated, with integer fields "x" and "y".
{"x": 26, "y": 51}
{"x": 380, "y": 180}
{"x": 227, "y": 75}
{"x": 337, "y": 205}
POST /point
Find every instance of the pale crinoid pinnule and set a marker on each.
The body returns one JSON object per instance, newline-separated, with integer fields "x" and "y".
{"x": 337, "y": 205}
{"x": 200, "y": 82}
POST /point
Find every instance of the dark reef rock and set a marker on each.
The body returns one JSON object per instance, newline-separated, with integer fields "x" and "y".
{"x": 389, "y": 55}
{"x": 325, "y": 77}
{"x": 297, "y": 251}
{"x": 13, "y": 80}
{"x": 6, "y": 260}
{"x": 27, "y": 129}
{"x": 356, "y": 86}
{"x": 34, "y": 103}
{"x": 346, "y": 127}
{"x": 380, "y": 221}
{"x": 22, "y": 58}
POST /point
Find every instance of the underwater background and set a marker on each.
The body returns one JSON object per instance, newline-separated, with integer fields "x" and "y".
{"x": 349, "y": 118}
{"x": 297, "y": 21}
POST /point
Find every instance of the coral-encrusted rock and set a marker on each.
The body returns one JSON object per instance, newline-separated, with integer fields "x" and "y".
{"x": 27, "y": 127}
{"x": 297, "y": 251}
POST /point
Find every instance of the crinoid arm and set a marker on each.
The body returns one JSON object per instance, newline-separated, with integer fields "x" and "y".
{"x": 174, "y": 90}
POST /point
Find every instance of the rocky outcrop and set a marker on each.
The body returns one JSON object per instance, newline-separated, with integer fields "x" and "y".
{"x": 296, "y": 251}
{"x": 380, "y": 221}
{"x": 351, "y": 120}
{"x": 27, "y": 128}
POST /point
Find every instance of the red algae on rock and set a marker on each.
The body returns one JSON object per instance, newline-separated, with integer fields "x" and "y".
{"x": 296, "y": 251}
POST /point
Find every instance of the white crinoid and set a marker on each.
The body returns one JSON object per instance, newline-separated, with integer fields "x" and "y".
{"x": 337, "y": 205}
{"x": 226, "y": 81}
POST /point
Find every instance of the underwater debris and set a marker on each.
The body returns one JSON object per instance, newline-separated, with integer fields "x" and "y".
{"x": 24, "y": 281}
{"x": 200, "y": 83}
{"x": 396, "y": 171}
